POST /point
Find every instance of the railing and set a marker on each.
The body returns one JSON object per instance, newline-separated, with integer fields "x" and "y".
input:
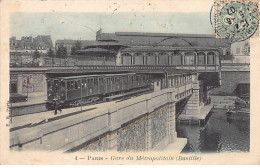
{"x": 130, "y": 67}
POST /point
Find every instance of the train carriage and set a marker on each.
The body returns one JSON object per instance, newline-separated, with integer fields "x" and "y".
{"x": 72, "y": 90}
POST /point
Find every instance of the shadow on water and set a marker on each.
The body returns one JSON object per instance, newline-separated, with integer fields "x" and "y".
{"x": 221, "y": 133}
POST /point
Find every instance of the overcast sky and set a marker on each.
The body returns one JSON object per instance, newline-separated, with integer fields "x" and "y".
{"x": 84, "y": 25}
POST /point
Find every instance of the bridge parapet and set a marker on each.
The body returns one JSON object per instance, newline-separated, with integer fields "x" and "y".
{"x": 111, "y": 124}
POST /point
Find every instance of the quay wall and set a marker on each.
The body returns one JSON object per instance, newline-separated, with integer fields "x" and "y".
{"x": 229, "y": 80}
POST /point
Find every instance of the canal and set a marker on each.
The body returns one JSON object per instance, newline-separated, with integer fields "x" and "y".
{"x": 221, "y": 133}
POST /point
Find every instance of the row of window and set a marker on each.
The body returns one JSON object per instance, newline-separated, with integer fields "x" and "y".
{"x": 167, "y": 60}
{"x": 93, "y": 82}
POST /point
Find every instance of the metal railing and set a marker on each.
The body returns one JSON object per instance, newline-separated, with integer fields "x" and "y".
{"x": 128, "y": 67}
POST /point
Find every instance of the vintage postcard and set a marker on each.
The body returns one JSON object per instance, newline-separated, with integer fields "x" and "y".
{"x": 129, "y": 82}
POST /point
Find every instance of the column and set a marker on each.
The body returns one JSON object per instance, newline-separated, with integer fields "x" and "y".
{"x": 206, "y": 60}
{"x": 183, "y": 59}
{"x": 215, "y": 60}
{"x": 196, "y": 60}
{"x": 132, "y": 58}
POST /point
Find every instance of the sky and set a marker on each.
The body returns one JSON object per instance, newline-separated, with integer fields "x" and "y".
{"x": 84, "y": 25}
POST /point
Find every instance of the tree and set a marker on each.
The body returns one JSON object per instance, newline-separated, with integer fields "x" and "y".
{"x": 62, "y": 53}
{"x": 76, "y": 47}
{"x": 36, "y": 55}
{"x": 51, "y": 55}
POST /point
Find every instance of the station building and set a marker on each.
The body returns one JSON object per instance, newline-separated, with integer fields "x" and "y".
{"x": 158, "y": 49}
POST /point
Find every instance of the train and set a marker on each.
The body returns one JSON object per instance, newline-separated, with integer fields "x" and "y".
{"x": 78, "y": 90}
{"x": 74, "y": 91}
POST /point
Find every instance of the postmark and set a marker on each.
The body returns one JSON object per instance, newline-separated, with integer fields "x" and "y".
{"x": 235, "y": 20}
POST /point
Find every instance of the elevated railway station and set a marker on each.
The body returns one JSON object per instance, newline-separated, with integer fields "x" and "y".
{"x": 149, "y": 85}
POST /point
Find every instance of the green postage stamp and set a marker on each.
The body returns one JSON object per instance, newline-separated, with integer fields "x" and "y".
{"x": 236, "y": 20}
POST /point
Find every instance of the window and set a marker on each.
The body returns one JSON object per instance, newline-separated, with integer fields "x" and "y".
{"x": 76, "y": 85}
{"x": 189, "y": 59}
{"x": 126, "y": 79}
{"x": 79, "y": 84}
{"x": 49, "y": 84}
{"x": 13, "y": 88}
{"x": 84, "y": 83}
{"x": 69, "y": 85}
{"x": 108, "y": 81}
{"x": 117, "y": 80}
{"x": 62, "y": 84}
{"x": 56, "y": 86}
{"x": 201, "y": 58}
{"x": 95, "y": 82}
{"x": 101, "y": 81}
{"x": 113, "y": 80}
{"x": 132, "y": 78}
{"x": 138, "y": 78}
{"x": 90, "y": 82}
{"x": 237, "y": 50}
{"x": 210, "y": 58}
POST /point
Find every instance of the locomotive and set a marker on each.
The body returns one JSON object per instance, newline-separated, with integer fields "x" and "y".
{"x": 75, "y": 90}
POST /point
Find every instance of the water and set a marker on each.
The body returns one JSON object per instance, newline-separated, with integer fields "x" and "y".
{"x": 221, "y": 133}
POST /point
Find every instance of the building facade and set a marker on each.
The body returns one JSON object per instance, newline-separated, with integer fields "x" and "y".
{"x": 167, "y": 49}
{"x": 28, "y": 44}
{"x": 240, "y": 52}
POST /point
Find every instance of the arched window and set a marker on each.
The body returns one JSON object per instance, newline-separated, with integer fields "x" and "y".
{"x": 176, "y": 59}
{"x": 126, "y": 59}
{"x": 201, "y": 58}
{"x": 211, "y": 58}
{"x": 163, "y": 59}
{"x": 189, "y": 58}
{"x": 150, "y": 58}
{"x": 228, "y": 51}
{"x": 138, "y": 59}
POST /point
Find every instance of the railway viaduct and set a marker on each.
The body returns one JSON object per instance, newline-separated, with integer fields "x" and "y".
{"x": 142, "y": 123}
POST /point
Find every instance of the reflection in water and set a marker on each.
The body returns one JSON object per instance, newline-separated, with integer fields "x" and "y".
{"x": 222, "y": 133}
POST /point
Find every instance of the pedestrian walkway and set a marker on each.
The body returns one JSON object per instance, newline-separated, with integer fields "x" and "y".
{"x": 22, "y": 120}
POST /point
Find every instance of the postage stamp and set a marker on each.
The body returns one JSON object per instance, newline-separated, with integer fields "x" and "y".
{"x": 236, "y": 20}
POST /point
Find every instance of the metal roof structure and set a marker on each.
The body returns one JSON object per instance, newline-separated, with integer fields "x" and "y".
{"x": 163, "y": 39}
